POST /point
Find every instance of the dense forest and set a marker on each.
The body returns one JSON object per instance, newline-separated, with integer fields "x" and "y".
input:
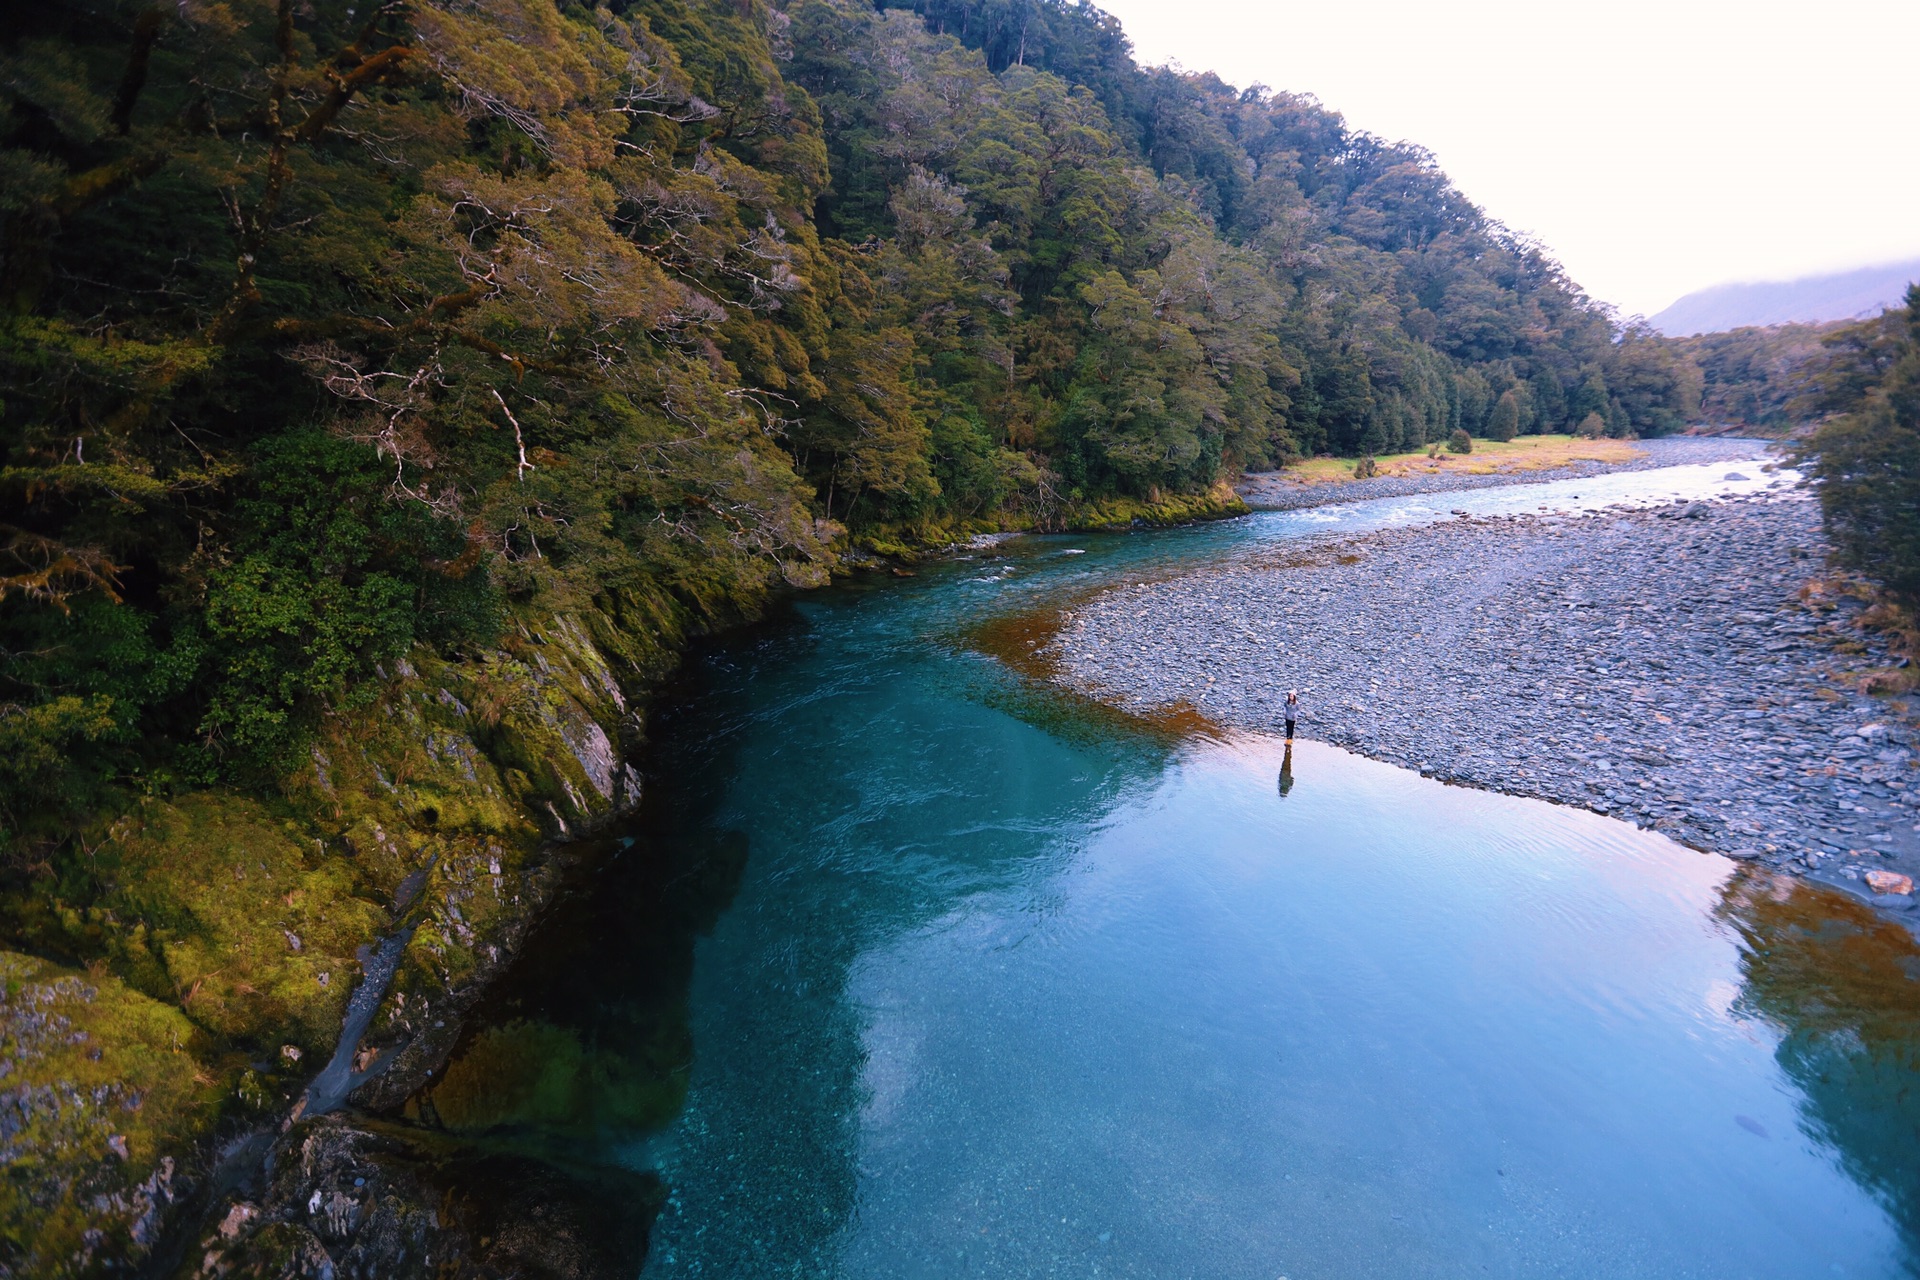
{"x": 1758, "y": 377}
{"x": 331, "y": 332}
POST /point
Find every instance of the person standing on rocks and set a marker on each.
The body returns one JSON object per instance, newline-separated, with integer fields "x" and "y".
{"x": 1293, "y": 711}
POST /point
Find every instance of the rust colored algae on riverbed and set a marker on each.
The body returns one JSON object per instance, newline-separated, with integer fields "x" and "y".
{"x": 1024, "y": 642}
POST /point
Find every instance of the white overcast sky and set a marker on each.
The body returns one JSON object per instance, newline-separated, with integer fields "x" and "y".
{"x": 1654, "y": 146}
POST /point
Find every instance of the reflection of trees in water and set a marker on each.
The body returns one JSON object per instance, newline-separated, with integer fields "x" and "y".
{"x": 1842, "y": 985}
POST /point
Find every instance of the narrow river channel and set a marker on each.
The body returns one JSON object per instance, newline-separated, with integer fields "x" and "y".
{"x": 916, "y": 967}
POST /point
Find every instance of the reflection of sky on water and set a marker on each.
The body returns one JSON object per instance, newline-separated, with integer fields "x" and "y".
{"x": 1386, "y": 1028}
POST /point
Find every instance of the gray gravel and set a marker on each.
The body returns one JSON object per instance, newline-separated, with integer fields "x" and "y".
{"x": 1274, "y": 491}
{"x": 1663, "y": 669}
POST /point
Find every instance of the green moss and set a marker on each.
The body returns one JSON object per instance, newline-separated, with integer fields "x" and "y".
{"x": 254, "y": 928}
{"x": 233, "y": 922}
{"x": 893, "y": 547}
{"x": 101, "y": 1095}
{"x": 466, "y": 905}
{"x": 500, "y": 746}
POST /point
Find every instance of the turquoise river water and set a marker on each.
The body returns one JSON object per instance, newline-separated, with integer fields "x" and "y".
{"x": 917, "y": 967}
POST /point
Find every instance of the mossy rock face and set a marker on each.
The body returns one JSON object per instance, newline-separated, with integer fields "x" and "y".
{"x": 475, "y": 903}
{"x": 239, "y": 921}
{"x": 560, "y": 716}
{"x": 518, "y": 744}
{"x": 99, "y": 1097}
{"x": 254, "y": 927}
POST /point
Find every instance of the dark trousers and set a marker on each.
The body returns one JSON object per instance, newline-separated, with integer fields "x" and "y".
{"x": 1289, "y": 728}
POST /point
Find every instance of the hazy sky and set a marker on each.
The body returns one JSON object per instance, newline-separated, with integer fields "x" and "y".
{"x": 1654, "y": 146}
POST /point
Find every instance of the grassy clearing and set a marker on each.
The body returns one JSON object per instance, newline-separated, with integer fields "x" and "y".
{"x": 1525, "y": 453}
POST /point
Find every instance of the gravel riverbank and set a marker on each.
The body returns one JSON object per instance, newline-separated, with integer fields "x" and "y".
{"x": 1668, "y": 669}
{"x": 1275, "y": 491}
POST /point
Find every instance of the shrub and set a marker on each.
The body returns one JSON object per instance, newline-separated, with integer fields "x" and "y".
{"x": 1459, "y": 442}
{"x": 330, "y": 576}
{"x": 1867, "y": 467}
{"x": 1365, "y": 469}
{"x": 1591, "y": 427}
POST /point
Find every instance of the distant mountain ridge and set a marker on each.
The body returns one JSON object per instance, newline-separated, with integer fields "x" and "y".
{"x": 1840, "y": 295}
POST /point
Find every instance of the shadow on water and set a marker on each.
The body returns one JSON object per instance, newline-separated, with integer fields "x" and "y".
{"x": 771, "y": 750}
{"x": 582, "y": 1049}
{"x": 884, "y": 776}
{"x": 1840, "y": 984}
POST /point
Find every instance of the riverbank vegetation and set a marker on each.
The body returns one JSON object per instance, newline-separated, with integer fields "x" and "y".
{"x": 1865, "y": 455}
{"x": 328, "y": 336}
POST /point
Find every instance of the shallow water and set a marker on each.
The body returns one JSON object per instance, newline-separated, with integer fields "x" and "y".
{"x": 962, "y": 977}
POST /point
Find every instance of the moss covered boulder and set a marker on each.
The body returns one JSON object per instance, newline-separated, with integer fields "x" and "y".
{"x": 99, "y": 1093}
{"x": 248, "y": 922}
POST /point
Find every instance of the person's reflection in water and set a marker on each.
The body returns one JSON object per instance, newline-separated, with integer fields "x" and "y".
{"x": 1286, "y": 770}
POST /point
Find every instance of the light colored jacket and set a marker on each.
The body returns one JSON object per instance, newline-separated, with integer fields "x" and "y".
{"x": 1296, "y": 710}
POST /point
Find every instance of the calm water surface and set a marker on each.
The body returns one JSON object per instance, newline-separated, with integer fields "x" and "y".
{"x": 918, "y": 969}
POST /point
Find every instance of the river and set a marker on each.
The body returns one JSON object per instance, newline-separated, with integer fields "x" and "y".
{"x": 916, "y": 966}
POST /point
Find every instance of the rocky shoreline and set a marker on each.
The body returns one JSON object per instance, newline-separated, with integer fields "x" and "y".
{"x": 1275, "y": 491}
{"x": 161, "y": 1111}
{"x": 1685, "y": 669}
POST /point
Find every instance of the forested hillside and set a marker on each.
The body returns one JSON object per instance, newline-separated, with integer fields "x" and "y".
{"x": 1312, "y": 289}
{"x": 328, "y": 333}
